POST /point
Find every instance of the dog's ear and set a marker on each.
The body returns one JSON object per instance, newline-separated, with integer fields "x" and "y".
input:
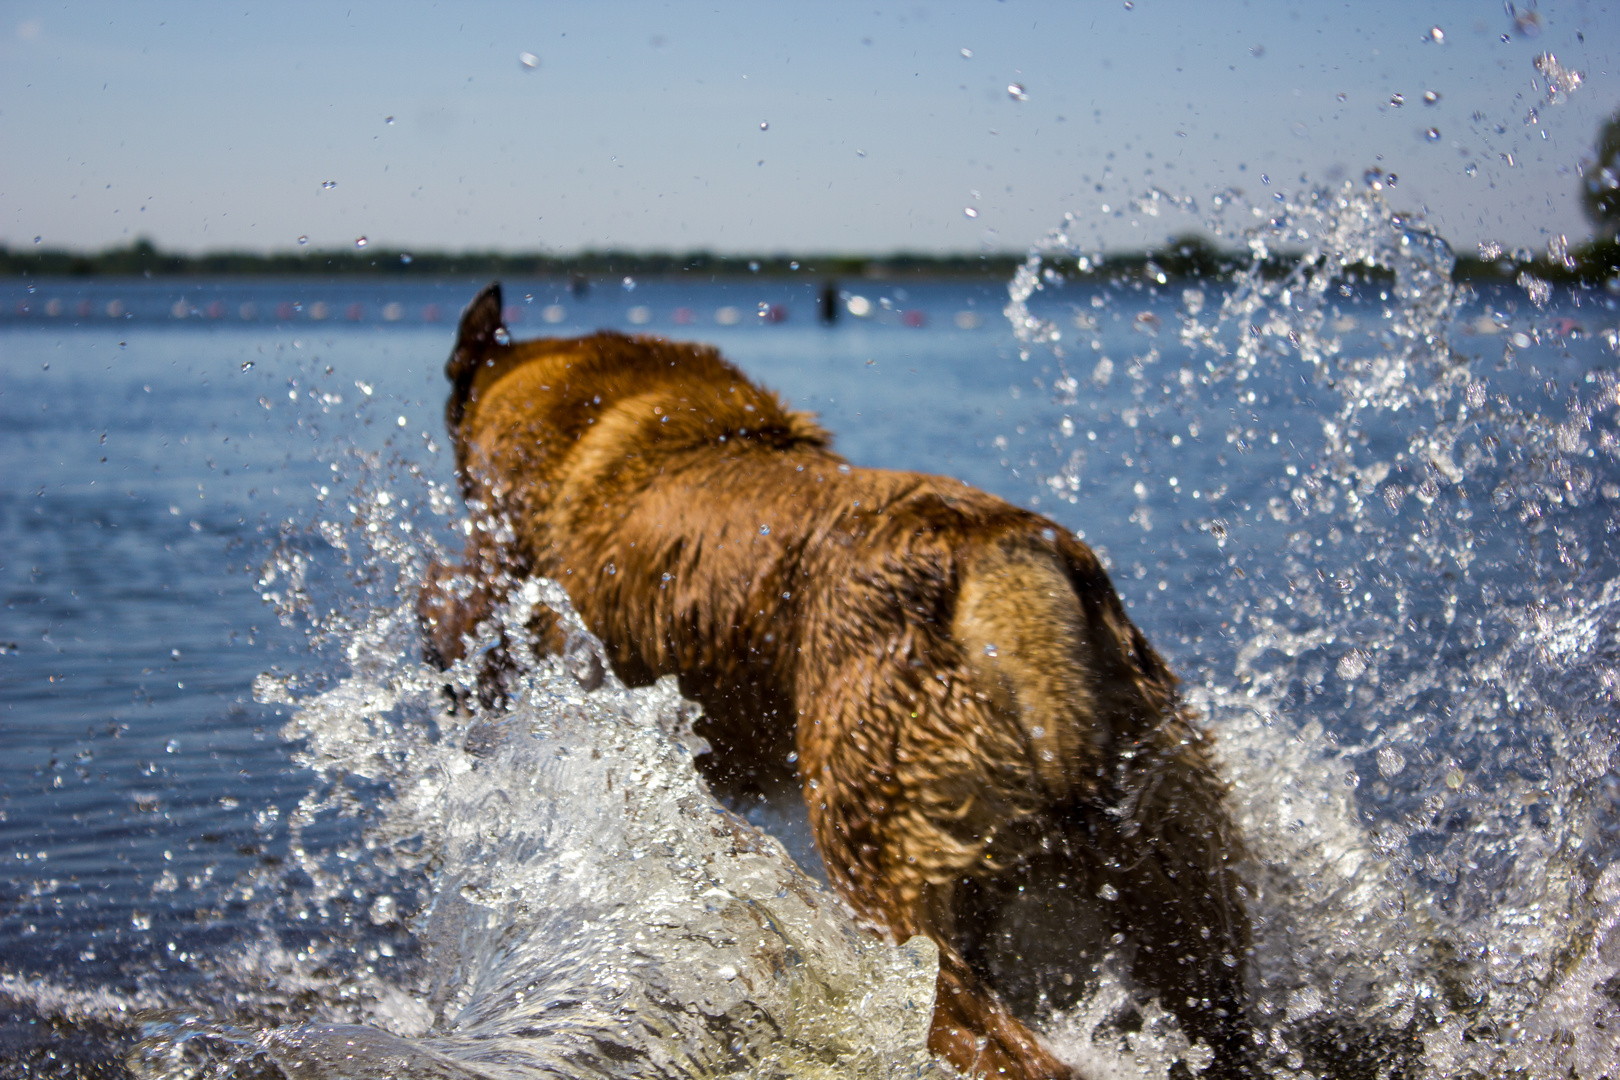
{"x": 479, "y": 332}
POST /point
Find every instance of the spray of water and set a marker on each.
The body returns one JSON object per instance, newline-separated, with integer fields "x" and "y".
{"x": 572, "y": 900}
{"x": 1416, "y": 598}
{"x": 1388, "y": 502}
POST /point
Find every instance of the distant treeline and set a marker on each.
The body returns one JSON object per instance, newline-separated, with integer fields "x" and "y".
{"x": 1180, "y": 259}
{"x": 144, "y": 259}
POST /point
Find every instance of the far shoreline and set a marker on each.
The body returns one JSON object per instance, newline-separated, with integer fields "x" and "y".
{"x": 1189, "y": 258}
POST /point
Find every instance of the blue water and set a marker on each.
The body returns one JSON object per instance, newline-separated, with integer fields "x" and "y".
{"x": 157, "y": 459}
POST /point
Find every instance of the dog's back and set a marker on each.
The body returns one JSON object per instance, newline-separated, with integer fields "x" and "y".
{"x": 952, "y": 681}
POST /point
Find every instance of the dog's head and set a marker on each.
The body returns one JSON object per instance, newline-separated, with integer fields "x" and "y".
{"x": 526, "y": 413}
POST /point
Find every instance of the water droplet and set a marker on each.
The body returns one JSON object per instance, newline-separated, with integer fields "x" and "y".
{"x": 361, "y": 241}
{"x": 502, "y": 337}
{"x": 990, "y": 650}
{"x": 328, "y": 185}
{"x": 247, "y": 365}
{"x": 172, "y": 746}
{"x": 1129, "y": 5}
{"x": 405, "y": 257}
{"x": 628, "y": 284}
{"x": 1433, "y": 134}
{"x": 1351, "y": 664}
{"x": 860, "y": 153}
{"x": 967, "y": 54}
{"x": 1340, "y": 97}
{"x": 528, "y": 60}
{"x": 1391, "y": 179}
{"x": 36, "y": 239}
{"x": 383, "y": 911}
{"x": 1437, "y": 35}
{"x": 303, "y": 240}
{"x": 1561, "y": 81}
{"x": 764, "y": 530}
{"x": 1397, "y": 100}
{"x": 764, "y": 125}
{"x": 1016, "y": 92}
{"x": 968, "y": 211}
{"x": 1430, "y": 97}
{"x": 1390, "y": 762}
{"x": 1264, "y": 179}
{"x": 1454, "y": 779}
{"x": 753, "y": 265}
{"x": 1108, "y": 892}
{"x": 388, "y": 120}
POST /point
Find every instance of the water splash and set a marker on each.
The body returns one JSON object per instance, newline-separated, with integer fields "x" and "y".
{"x": 558, "y": 889}
{"x": 1384, "y": 504}
{"x": 1419, "y": 608}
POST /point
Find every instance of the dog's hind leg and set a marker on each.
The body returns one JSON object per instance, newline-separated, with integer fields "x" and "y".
{"x": 1175, "y": 854}
{"x": 893, "y": 782}
{"x": 972, "y": 1028}
{"x": 975, "y": 1032}
{"x": 1120, "y": 762}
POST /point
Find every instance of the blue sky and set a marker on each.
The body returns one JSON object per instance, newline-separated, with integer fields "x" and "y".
{"x": 209, "y": 126}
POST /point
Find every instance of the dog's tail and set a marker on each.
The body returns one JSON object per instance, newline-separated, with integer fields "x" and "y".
{"x": 1024, "y": 634}
{"x": 479, "y": 332}
{"x": 1048, "y": 640}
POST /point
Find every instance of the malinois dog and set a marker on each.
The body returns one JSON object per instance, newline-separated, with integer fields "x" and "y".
{"x": 990, "y": 752}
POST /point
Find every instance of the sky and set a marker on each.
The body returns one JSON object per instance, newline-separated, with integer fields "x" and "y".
{"x": 774, "y": 127}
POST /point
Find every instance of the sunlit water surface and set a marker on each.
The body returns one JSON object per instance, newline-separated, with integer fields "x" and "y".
{"x": 1371, "y": 523}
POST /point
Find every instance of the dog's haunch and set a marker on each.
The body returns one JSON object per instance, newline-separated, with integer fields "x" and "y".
{"x": 989, "y": 751}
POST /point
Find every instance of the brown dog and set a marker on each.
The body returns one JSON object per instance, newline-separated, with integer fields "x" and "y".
{"x": 991, "y": 753}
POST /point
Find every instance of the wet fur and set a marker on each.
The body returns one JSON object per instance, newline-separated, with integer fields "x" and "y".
{"x": 970, "y": 707}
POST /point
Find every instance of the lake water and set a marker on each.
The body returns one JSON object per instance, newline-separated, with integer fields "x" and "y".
{"x": 1372, "y": 525}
